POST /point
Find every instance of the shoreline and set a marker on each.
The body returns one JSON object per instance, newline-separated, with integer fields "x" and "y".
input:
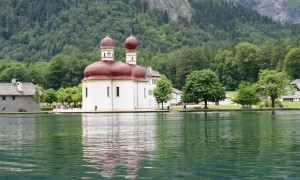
{"x": 153, "y": 111}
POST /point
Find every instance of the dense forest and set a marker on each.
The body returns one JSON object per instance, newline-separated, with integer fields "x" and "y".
{"x": 50, "y": 42}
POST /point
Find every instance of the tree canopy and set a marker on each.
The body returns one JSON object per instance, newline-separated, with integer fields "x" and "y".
{"x": 204, "y": 86}
{"x": 246, "y": 94}
{"x": 51, "y": 42}
{"x": 50, "y": 96}
{"x": 162, "y": 91}
{"x": 292, "y": 63}
{"x": 38, "y": 30}
{"x": 274, "y": 83}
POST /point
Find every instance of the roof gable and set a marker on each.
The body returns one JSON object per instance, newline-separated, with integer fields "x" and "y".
{"x": 10, "y": 89}
{"x": 297, "y": 83}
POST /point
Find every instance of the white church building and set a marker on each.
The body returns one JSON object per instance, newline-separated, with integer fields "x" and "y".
{"x": 110, "y": 85}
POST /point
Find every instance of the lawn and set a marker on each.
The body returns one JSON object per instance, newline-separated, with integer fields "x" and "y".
{"x": 291, "y": 104}
{"x": 194, "y": 107}
{"x": 230, "y": 106}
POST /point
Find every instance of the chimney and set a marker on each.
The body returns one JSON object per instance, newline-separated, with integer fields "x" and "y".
{"x": 19, "y": 86}
{"x": 14, "y": 80}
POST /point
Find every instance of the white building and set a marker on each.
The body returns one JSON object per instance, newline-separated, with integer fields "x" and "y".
{"x": 176, "y": 97}
{"x": 17, "y": 96}
{"x": 293, "y": 96}
{"x": 110, "y": 85}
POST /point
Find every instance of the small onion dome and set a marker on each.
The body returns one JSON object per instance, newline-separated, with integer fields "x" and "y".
{"x": 107, "y": 42}
{"x": 131, "y": 43}
{"x": 114, "y": 70}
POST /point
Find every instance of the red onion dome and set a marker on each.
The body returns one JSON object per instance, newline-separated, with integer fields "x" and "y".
{"x": 121, "y": 70}
{"x": 98, "y": 69}
{"x": 107, "y": 42}
{"x": 131, "y": 43}
{"x": 102, "y": 70}
{"x": 138, "y": 72}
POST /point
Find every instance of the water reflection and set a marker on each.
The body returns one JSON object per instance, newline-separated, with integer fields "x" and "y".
{"x": 16, "y": 136}
{"x": 115, "y": 144}
{"x": 235, "y": 145}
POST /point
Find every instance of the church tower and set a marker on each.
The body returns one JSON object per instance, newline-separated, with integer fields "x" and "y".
{"x": 107, "y": 46}
{"x": 131, "y": 45}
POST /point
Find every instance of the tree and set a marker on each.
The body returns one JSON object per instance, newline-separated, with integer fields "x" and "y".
{"x": 77, "y": 94}
{"x": 39, "y": 95}
{"x": 37, "y": 72}
{"x": 203, "y": 85}
{"x": 163, "y": 90}
{"x": 50, "y": 96}
{"x": 274, "y": 83}
{"x": 61, "y": 95}
{"x": 292, "y": 63}
{"x": 16, "y": 70}
{"x": 246, "y": 60}
{"x": 246, "y": 94}
{"x": 56, "y": 71}
{"x": 226, "y": 69}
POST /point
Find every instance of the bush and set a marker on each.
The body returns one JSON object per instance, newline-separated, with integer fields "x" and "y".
{"x": 261, "y": 105}
{"x": 277, "y": 102}
{"x": 47, "y": 109}
{"x": 266, "y": 103}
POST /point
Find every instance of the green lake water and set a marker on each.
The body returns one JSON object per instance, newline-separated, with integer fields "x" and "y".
{"x": 225, "y": 145}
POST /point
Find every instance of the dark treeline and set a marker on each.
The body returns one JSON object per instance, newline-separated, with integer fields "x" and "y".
{"x": 232, "y": 65}
{"x": 50, "y": 42}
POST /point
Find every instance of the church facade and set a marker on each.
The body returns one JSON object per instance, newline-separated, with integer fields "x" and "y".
{"x": 110, "y": 85}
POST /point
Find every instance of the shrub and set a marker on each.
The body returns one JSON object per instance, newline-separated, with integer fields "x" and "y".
{"x": 47, "y": 109}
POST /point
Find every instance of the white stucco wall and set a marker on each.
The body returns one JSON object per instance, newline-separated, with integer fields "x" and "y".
{"x": 176, "y": 98}
{"x": 98, "y": 96}
{"x": 13, "y": 105}
{"x": 131, "y": 58}
{"x": 107, "y": 54}
{"x": 125, "y": 101}
{"x": 132, "y": 95}
{"x": 152, "y": 86}
{"x": 142, "y": 94}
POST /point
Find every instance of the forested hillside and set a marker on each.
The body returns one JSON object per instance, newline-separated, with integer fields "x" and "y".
{"x": 52, "y": 41}
{"x": 38, "y": 30}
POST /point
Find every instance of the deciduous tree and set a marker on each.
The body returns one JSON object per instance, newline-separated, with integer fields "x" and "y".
{"x": 163, "y": 90}
{"x": 274, "y": 83}
{"x": 50, "y": 96}
{"x": 246, "y": 94}
{"x": 292, "y": 63}
{"x": 246, "y": 60}
{"x": 204, "y": 86}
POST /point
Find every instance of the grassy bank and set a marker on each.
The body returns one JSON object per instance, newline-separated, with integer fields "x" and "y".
{"x": 231, "y": 106}
{"x": 291, "y": 104}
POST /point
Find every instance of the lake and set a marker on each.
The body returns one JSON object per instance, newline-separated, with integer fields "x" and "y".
{"x": 199, "y": 145}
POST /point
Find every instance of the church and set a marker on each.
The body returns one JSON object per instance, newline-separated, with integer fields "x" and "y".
{"x": 110, "y": 85}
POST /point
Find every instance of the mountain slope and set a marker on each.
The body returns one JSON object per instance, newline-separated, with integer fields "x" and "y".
{"x": 284, "y": 11}
{"x": 38, "y": 30}
{"x": 174, "y": 8}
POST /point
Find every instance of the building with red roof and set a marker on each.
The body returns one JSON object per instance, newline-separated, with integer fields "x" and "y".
{"x": 110, "y": 85}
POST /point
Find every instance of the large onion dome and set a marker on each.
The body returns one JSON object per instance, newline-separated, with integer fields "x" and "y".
{"x": 114, "y": 70}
